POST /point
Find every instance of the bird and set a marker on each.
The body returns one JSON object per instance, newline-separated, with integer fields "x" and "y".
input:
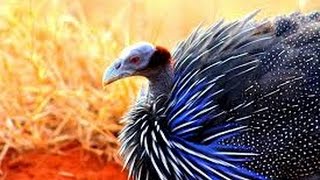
{"x": 234, "y": 100}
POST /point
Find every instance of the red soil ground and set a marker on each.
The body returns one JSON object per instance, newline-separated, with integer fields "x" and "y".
{"x": 73, "y": 163}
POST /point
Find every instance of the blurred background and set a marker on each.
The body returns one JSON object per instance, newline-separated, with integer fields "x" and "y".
{"x": 53, "y": 53}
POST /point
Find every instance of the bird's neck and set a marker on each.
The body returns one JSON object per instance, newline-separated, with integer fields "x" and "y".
{"x": 160, "y": 83}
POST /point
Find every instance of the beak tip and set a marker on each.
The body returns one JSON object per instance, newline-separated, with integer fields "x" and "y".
{"x": 106, "y": 78}
{"x": 105, "y": 83}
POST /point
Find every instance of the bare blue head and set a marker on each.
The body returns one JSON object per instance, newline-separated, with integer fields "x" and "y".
{"x": 142, "y": 59}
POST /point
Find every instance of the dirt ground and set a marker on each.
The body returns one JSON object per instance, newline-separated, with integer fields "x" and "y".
{"x": 72, "y": 163}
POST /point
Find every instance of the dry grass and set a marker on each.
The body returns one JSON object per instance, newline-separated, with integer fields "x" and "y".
{"x": 53, "y": 52}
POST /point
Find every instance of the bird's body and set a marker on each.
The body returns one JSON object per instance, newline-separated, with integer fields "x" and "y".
{"x": 240, "y": 101}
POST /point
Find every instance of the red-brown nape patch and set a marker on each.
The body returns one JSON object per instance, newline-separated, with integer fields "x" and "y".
{"x": 160, "y": 57}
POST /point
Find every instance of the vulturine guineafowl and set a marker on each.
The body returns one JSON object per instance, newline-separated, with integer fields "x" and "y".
{"x": 237, "y": 100}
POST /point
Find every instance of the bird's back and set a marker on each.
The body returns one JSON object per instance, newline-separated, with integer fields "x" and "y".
{"x": 284, "y": 123}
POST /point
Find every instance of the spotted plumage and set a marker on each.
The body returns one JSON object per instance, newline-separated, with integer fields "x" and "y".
{"x": 236, "y": 100}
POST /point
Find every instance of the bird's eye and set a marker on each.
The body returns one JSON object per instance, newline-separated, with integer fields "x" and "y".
{"x": 134, "y": 60}
{"x": 117, "y": 66}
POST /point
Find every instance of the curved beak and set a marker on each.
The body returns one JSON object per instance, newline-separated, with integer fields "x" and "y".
{"x": 112, "y": 74}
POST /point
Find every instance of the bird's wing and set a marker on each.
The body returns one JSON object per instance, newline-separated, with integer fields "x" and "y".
{"x": 214, "y": 66}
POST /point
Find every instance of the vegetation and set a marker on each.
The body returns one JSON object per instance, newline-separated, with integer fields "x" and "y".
{"x": 53, "y": 53}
